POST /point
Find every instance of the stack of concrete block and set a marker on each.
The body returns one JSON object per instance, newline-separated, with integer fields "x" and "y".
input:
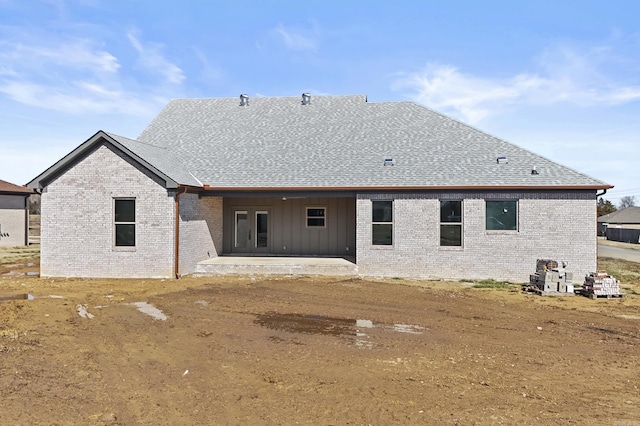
{"x": 550, "y": 279}
{"x": 601, "y": 284}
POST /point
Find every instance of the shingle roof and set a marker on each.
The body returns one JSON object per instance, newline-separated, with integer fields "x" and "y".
{"x": 628, "y": 215}
{"x": 10, "y": 188}
{"x": 341, "y": 141}
{"x": 161, "y": 159}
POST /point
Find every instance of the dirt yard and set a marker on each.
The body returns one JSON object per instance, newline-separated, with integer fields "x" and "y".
{"x": 322, "y": 351}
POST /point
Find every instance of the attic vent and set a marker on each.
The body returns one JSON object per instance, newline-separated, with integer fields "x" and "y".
{"x": 244, "y": 100}
{"x": 389, "y": 162}
{"x": 306, "y": 99}
{"x": 502, "y": 160}
{"x": 534, "y": 171}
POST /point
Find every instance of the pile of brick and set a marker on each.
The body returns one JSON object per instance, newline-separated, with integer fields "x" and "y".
{"x": 551, "y": 279}
{"x": 601, "y": 284}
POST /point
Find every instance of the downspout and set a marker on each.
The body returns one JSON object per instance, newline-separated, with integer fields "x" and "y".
{"x": 604, "y": 191}
{"x": 176, "y": 255}
{"x": 26, "y": 220}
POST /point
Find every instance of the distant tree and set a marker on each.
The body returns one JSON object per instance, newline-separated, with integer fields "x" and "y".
{"x": 34, "y": 204}
{"x": 605, "y": 207}
{"x": 628, "y": 201}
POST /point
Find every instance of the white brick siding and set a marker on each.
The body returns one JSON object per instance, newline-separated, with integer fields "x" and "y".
{"x": 78, "y": 221}
{"x": 200, "y": 230}
{"x": 560, "y": 229}
{"x": 13, "y": 220}
{"x": 78, "y": 230}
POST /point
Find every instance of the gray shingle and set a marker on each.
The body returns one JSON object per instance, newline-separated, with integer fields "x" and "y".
{"x": 630, "y": 215}
{"x": 161, "y": 159}
{"x": 342, "y": 141}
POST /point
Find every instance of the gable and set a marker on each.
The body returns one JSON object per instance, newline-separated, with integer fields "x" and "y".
{"x": 146, "y": 158}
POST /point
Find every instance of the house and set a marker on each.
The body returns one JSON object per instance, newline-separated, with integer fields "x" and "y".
{"x": 622, "y": 225}
{"x": 14, "y": 214}
{"x": 399, "y": 189}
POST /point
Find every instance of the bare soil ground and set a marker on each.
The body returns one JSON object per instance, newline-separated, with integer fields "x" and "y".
{"x": 313, "y": 350}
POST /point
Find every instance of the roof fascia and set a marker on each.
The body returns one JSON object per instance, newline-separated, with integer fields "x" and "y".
{"x": 411, "y": 188}
{"x": 16, "y": 193}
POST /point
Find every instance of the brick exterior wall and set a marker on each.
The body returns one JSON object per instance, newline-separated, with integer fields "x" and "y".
{"x": 13, "y": 221}
{"x": 555, "y": 226}
{"x": 77, "y": 236}
{"x": 200, "y": 230}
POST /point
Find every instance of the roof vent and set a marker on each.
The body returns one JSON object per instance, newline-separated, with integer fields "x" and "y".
{"x": 502, "y": 160}
{"x": 389, "y": 162}
{"x": 534, "y": 171}
{"x": 244, "y": 100}
{"x": 306, "y": 99}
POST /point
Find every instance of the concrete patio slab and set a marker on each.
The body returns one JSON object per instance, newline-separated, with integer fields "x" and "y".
{"x": 276, "y": 266}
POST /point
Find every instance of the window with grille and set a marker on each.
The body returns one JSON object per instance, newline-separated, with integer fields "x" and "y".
{"x": 125, "y": 222}
{"x": 382, "y": 223}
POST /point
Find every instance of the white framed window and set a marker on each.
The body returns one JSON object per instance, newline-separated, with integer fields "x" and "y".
{"x": 501, "y": 215}
{"x": 124, "y": 222}
{"x": 451, "y": 223}
{"x": 316, "y": 217}
{"x": 382, "y": 223}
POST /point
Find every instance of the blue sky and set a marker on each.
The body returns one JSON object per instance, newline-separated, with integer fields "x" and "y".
{"x": 560, "y": 78}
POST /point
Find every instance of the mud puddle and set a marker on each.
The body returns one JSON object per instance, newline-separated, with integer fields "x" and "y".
{"x": 360, "y": 329}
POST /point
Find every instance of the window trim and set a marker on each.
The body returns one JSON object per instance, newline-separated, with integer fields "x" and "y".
{"x": 459, "y": 224}
{"x": 373, "y": 224}
{"x": 116, "y": 223}
{"x": 323, "y": 217}
{"x": 502, "y": 231}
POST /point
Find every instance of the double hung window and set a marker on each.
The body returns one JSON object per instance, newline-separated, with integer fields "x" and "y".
{"x": 382, "y": 223}
{"x": 316, "y": 217}
{"x": 451, "y": 223}
{"x": 125, "y": 222}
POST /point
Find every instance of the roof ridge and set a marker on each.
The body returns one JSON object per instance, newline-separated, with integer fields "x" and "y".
{"x": 272, "y": 97}
{"x": 136, "y": 140}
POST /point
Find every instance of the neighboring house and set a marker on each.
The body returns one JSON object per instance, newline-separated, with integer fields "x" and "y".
{"x": 14, "y": 214}
{"x": 400, "y": 189}
{"x": 622, "y": 225}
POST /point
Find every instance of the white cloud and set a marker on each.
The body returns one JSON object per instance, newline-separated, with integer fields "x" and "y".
{"x": 72, "y": 54}
{"x": 79, "y": 98}
{"x": 152, "y": 60}
{"x": 566, "y": 77}
{"x": 294, "y": 40}
{"x": 80, "y": 75}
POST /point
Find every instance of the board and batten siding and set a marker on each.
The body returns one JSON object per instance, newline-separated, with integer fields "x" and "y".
{"x": 289, "y": 234}
{"x": 77, "y": 209}
{"x": 552, "y": 227}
